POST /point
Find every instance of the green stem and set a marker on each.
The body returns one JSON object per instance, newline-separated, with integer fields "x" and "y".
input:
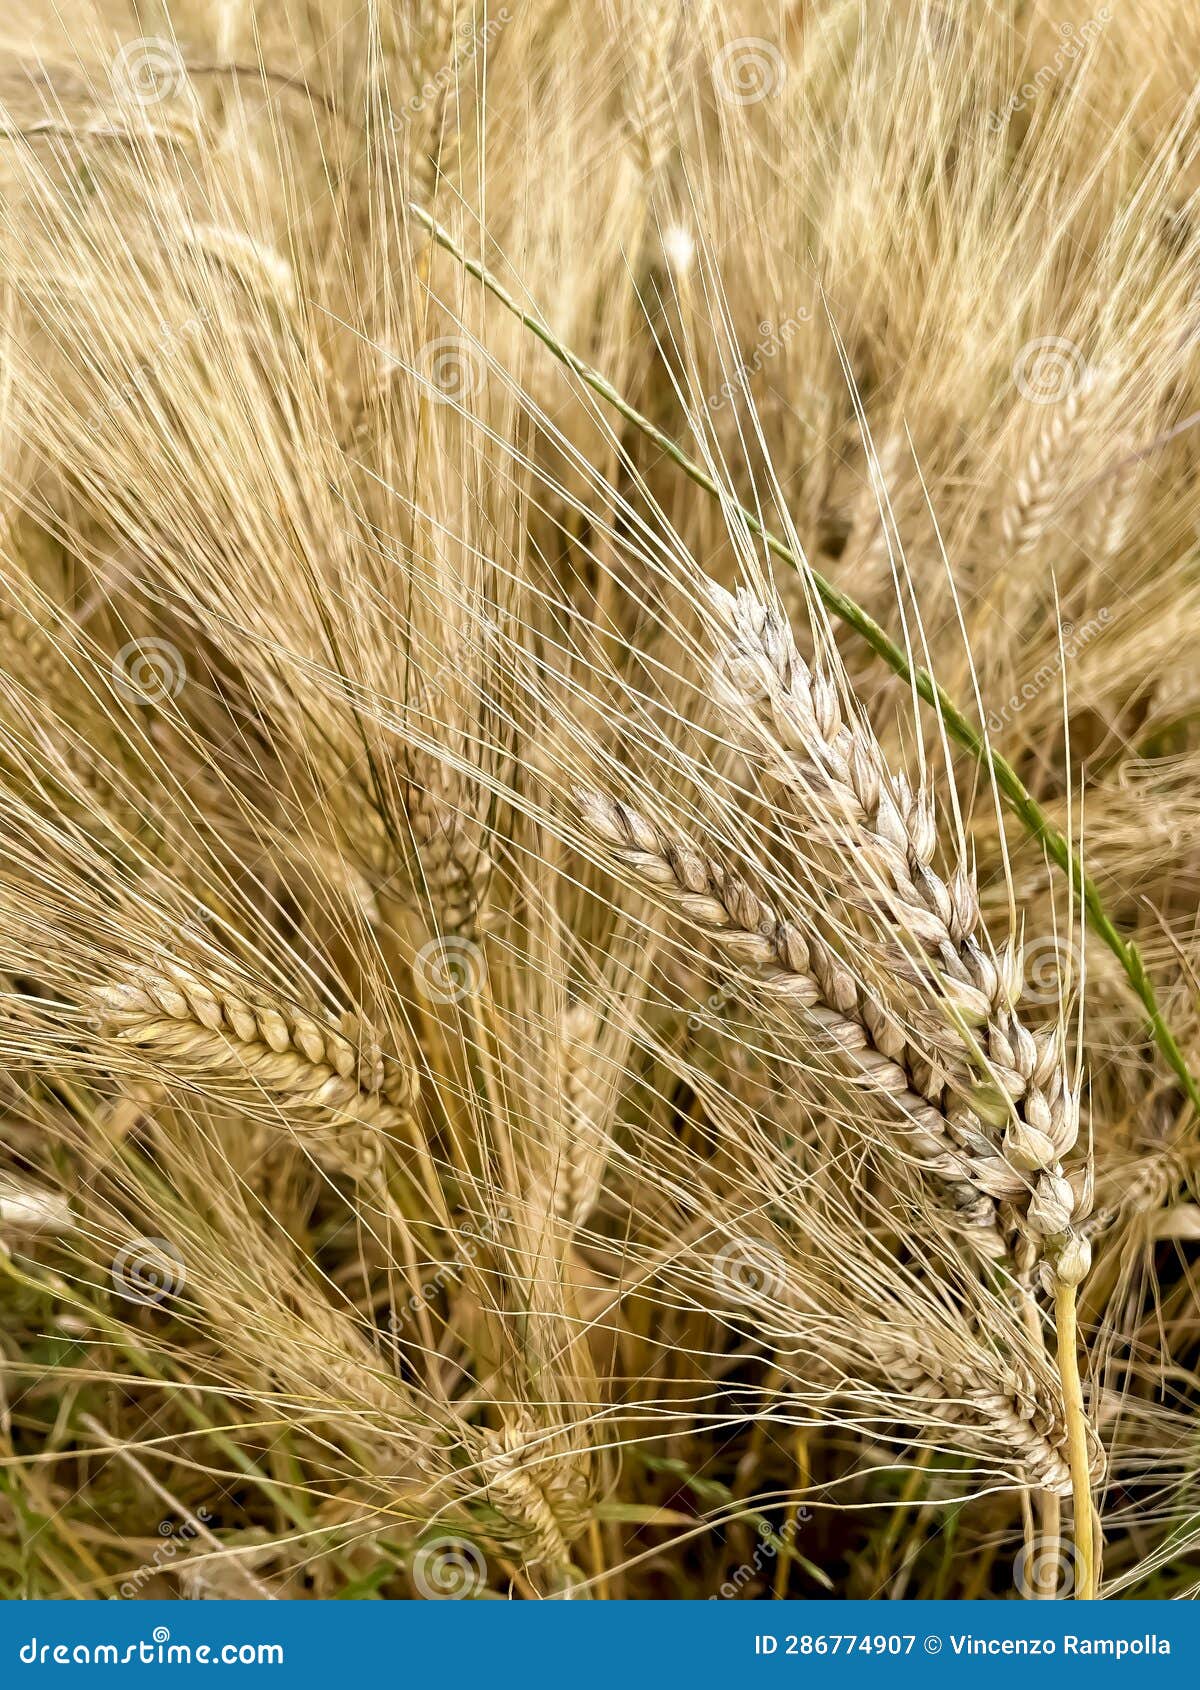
{"x": 1030, "y": 813}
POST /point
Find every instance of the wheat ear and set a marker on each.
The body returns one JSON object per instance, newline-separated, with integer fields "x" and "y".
{"x": 1021, "y": 1089}
{"x": 454, "y": 867}
{"x": 916, "y": 1371}
{"x": 209, "y": 1031}
{"x": 863, "y": 1042}
{"x": 954, "y": 722}
{"x": 542, "y": 1498}
{"x": 1039, "y": 485}
{"x": 569, "y": 1182}
{"x": 648, "y": 96}
{"x": 992, "y": 1403}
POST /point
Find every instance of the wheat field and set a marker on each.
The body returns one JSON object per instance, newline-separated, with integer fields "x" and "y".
{"x": 600, "y": 770}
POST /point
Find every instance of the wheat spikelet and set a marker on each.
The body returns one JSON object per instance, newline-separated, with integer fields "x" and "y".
{"x": 587, "y": 1140}
{"x": 430, "y": 72}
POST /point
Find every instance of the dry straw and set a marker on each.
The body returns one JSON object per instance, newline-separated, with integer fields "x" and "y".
{"x": 481, "y": 660}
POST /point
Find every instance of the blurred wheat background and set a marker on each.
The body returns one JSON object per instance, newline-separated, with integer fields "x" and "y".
{"x": 599, "y": 774}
